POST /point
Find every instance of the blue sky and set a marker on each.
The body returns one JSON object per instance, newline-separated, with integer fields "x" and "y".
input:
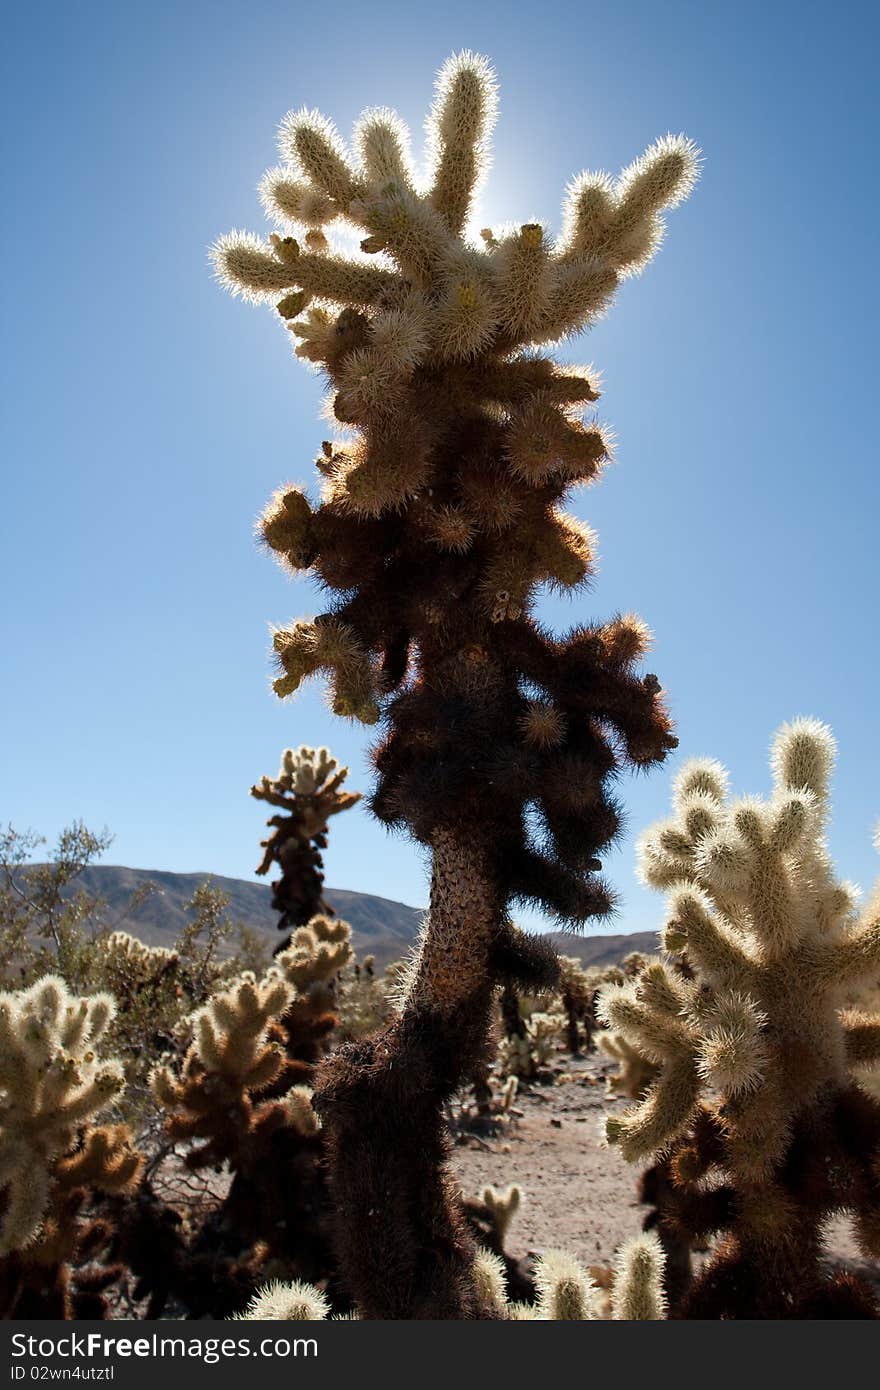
{"x": 148, "y": 416}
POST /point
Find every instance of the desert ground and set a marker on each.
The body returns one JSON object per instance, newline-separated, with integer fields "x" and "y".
{"x": 579, "y": 1194}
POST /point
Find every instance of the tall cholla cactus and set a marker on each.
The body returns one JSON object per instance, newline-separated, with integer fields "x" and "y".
{"x": 307, "y": 789}
{"x": 439, "y": 519}
{"x": 53, "y": 1084}
{"x": 755, "y": 1052}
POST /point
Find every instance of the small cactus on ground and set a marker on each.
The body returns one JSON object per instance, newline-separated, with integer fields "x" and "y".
{"x": 286, "y": 1302}
{"x": 755, "y": 1051}
{"x": 565, "y": 1291}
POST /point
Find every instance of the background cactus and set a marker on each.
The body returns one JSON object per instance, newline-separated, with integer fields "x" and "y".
{"x": 241, "y": 1097}
{"x": 439, "y": 519}
{"x": 566, "y": 1292}
{"x": 755, "y": 1052}
{"x": 53, "y": 1084}
{"x": 307, "y": 790}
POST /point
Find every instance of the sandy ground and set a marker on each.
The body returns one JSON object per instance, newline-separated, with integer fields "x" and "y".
{"x": 580, "y": 1195}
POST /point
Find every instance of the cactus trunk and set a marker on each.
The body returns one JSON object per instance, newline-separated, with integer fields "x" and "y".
{"x": 402, "y": 1242}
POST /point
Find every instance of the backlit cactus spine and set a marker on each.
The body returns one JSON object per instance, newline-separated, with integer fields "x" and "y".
{"x": 242, "y": 1096}
{"x": 755, "y": 1051}
{"x": 440, "y": 517}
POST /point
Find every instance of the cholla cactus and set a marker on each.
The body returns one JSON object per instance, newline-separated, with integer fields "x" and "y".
{"x": 307, "y": 789}
{"x": 635, "y": 1071}
{"x": 365, "y": 998}
{"x": 754, "y": 1053}
{"x": 134, "y": 958}
{"x": 502, "y": 1207}
{"x": 528, "y": 1056}
{"x": 439, "y": 519}
{"x": 577, "y": 991}
{"x": 242, "y": 1094}
{"x": 234, "y": 1056}
{"x": 566, "y": 1293}
{"x": 291, "y": 1302}
{"x": 253, "y": 1052}
{"x": 312, "y": 964}
{"x": 565, "y": 1290}
{"x": 53, "y": 1084}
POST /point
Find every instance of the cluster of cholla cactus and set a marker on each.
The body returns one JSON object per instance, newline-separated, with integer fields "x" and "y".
{"x": 365, "y": 997}
{"x": 53, "y": 1157}
{"x": 241, "y": 1097}
{"x": 578, "y": 989}
{"x": 307, "y": 790}
{"x": 131, "y": 964}
{"x": 312, "y": 963}
{"x": 528, "y": 1054}
{"x": 754, "y": 1104}
{"x": 440, "y": 517}
{"x": 565, "y": 1291}
{"x": 235, "y": 1055}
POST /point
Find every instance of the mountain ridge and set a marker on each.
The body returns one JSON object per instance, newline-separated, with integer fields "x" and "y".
{"x": 380, "y": 926}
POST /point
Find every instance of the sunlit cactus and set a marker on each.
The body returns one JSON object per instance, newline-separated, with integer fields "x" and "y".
{"x": 307, "y": 789}
{"x": 236, "y": 1053}
{"x": 565, "y": 1290}
{"x": 133, "y": 959}
{"x": 440, "y": 517}
{"x": 503, "y": 1206}
{"x": 528, "y": 1054}
{"x": 755, "y": 1051}
{"x": 241, "y": 1097}
{"x": 567, "y": 1293}
{"x": 286, "y": 1302}
{"x": 637, "y": 1292}
{"x": 53, "y": 1085}
{"x": 312, "y": 963}
{"x": 634, "y": 1071}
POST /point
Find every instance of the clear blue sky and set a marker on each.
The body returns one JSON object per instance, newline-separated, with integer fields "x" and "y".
{"x": 148, "y": 415}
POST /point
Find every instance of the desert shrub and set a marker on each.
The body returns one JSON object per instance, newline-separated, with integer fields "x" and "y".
{"x": 49, "y": 923}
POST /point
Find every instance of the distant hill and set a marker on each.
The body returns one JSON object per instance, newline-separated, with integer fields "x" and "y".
{"x": 380, "y": 927}
{"x": 604, "y": 950}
